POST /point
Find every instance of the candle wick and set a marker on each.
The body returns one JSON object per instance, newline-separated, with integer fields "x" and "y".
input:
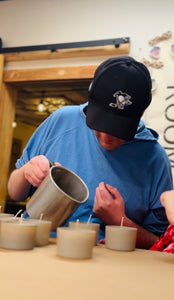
{"x": 122, "y": 222}
{"x": 89, "y": 218}
{"x": 41, "y": 216}
{"x": 21, "y": 218}
{"x": 17, "y": 213}
{"x": 77, "y": 224}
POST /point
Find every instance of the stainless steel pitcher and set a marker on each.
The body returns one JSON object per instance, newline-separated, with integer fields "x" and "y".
{"x": 58, "y": 196}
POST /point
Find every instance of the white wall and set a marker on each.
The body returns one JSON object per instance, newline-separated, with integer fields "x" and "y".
{"x": 33, "y": 22}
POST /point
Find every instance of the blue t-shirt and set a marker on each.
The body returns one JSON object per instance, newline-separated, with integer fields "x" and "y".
{"x": 139, "y": 169}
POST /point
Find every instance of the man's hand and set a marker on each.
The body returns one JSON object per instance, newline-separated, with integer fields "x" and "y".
{"x": 109, "y": 207}
{"x": 32, "y": 173}
{"x": 108, "y": 204}
{"x": 36, "y": 170}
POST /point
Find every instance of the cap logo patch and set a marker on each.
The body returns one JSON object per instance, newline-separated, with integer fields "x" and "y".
{"x": 122, "y": 100}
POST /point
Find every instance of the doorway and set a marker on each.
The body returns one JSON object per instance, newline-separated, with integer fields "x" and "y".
{"x": 17, "y": 83}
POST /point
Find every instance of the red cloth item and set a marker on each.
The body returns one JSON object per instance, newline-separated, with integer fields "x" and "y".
{"x": 165, "y": 242}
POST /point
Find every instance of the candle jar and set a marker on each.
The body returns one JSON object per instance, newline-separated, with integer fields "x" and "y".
{"x": 18, "y": 235}
{"x": 72, "y": 243}
{"x": 120, "y": 237}
{"x": 86, "y": 225}
{"x": 42, "y": 231}
{"x": 6, "y": 215}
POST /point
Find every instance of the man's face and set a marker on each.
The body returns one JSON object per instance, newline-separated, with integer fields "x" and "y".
{"x": 108, "y": 141}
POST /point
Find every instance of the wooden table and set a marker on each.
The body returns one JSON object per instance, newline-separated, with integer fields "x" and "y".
{"x": 109, "y": 275}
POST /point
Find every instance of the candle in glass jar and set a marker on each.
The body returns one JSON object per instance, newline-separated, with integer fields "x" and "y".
{"x": 86, "y": 225}
{"x": 120, "y": 237}
{"x": 6, "y": 215}
{"x": 42, "y": 231}
{"x": 18, "y": 235}
{"x": 73, "y": 243}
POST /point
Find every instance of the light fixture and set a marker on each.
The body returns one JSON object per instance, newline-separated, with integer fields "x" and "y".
{"x": 50, "y": 104}
{"x": 40, "y": 106}
{"x": 14, "y": 124}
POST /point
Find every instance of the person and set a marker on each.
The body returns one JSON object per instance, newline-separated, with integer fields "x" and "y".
{"x": 106, "y": 143}
{"x": 167, "y": 200}
{"x": 165, "y": 243}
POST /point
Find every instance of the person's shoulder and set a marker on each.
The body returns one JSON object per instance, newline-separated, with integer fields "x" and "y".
{"x": 68, "y": 110}
{"x": 159, "y": 153}
{"x": 145, "y": 133}
{"x": 151, "y": 142}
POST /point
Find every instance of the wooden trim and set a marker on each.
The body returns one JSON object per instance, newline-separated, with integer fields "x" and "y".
{"x": 1, "y": 69}
{"x": 123, "y": 49}
{"x": 7, "y": 113}
{"x": 47, "y": 74}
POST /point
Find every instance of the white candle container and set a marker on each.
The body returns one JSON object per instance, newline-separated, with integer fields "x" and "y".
{"x": 73, "y": 243}
{"x": 5, "y": 215}
{"x": 85, "y": 225}
{"x": 42, "y": 231}
{"x": 120, "y": 237}
{"x": 18, "y": 235}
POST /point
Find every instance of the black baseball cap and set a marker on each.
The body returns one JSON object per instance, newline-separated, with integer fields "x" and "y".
{"x": 118, "y": 95}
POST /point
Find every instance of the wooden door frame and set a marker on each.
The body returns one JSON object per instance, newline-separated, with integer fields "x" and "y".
{"x": 10, "y": 82}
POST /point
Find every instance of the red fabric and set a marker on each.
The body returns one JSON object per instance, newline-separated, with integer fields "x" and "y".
{"x": 165, "y": 242}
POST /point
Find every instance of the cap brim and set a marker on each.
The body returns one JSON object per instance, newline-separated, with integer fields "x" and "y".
{"x": 120, "y": 126}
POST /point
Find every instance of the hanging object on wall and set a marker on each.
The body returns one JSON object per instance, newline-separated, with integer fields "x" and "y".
{"x": 172, "y": 49}
{"x": 154, "y": 84}
{"x": 153, "y": 64}
{"x": 157, "y": 39}
{"x": 155, "y": 52}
